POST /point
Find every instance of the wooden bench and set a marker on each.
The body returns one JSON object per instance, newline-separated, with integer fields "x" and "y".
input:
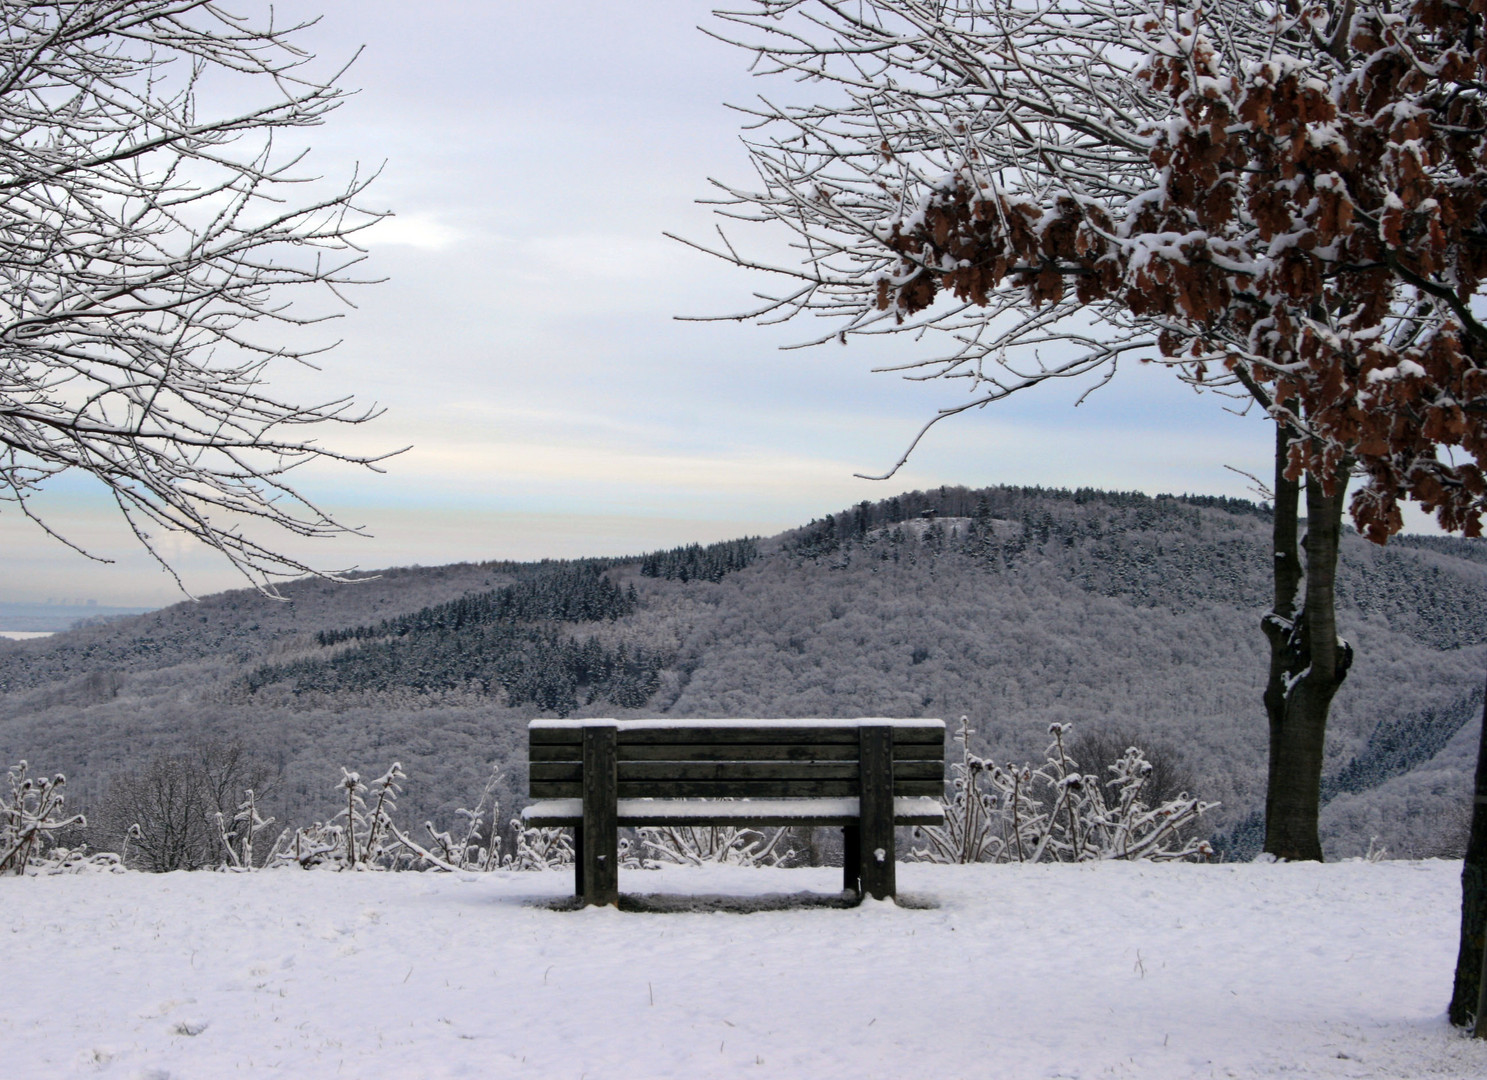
{"x": 865, "y": 776}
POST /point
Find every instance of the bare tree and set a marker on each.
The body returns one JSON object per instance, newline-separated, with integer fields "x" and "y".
{"x": 166, "y": 817}
{"x": 151, "y": 225}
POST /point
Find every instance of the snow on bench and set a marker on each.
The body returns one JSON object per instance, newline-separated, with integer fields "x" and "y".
{"x": 865, "y": 775}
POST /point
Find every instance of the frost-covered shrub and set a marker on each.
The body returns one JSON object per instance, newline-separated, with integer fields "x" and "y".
{"x": 364, "y": 837}
{"x": 238, "y": 841}
{"x": 31, "y": 817}
{"x": 1170, "y": 777}
{"x": 1055, "y": 813}
{"x": 466, "y": 852}
{"x": 539, "y": 849}
{"x": 357, "y": 837}
{"x": 699, "y": 845}
{"x": 532, "y": 849}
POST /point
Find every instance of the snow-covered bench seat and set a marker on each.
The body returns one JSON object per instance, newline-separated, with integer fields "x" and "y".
{"x": 864, "y": 775}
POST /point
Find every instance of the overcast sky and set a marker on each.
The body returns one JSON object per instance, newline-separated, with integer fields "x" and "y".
{"x": 525, "y": 343}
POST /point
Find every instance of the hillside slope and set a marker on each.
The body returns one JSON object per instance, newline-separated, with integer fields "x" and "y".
{"x": 1016, "y": 607}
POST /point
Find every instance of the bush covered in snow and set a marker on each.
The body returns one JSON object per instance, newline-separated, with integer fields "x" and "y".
{"x": 1055, "y": 813}
{"x": 363, "y": 838}
{"x": 32, "y": 817}
{"x": 701, "y": 845}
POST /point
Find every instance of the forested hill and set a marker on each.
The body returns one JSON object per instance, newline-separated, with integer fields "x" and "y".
{"x": 1015, "y": 606}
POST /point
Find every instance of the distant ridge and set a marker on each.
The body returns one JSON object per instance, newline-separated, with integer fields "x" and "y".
{"x": 1017, "y": 606}
{"x": 53, "y": 618}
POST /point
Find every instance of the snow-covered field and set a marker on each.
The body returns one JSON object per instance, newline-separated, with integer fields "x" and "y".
{"x": 1158, "y": 972}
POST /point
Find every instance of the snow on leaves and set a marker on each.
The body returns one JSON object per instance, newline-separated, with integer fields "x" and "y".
{"x": 1287, "y": 201}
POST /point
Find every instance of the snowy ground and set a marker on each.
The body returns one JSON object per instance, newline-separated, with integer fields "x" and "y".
{"x": 1048, "y": 971}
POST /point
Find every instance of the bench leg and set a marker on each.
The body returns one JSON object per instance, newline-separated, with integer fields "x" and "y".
{"x": 578, "y": 860}
{"x": 852, "y": 859}
{"x": 601, "y": 837}
{"x": 876, "y": 812}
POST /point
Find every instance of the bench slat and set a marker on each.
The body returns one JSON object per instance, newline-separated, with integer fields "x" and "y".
{"x": 930, "y": 732}
{"x": 720, "y": 771}
{"x": 780, "y": 735}
{"x": 768, "y": 770}
{"x": 729, "y": 771}
{"x": 741, "y": 752}
{"x": 716, "y": 789}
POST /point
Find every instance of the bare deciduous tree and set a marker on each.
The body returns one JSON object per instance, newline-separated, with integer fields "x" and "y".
{"x": 166, "y": 817}
{"x": 151, "y": 225}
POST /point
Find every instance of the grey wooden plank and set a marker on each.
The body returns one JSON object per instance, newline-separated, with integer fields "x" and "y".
{"x": 601, "y": 866}
{"x": 548, "y": 736}
{"x": 555, "y": 770}
{"x": 723, "y": 771}
{"x": 573, "y": 735}
{"x": 555, "y": 752}
{"x": 660, "y": 817}
{"x": 729, "y": 771}
{"x": 760, "y": 789}
{"x": 690, "y": 812}
{"x": 749, "y": 752}
{"x": 770, "y": 734}
{"x": 766, "y": 734}
{"x": 876, "y": 813}
{"x": 738, "y": 789}
{"x": 736, "y": 752}
{"x": 757, "y": 821}
{"x": 930, "y": 734}
{"x": 918, "y": 770}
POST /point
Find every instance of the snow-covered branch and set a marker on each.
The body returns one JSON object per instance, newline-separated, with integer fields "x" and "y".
{"x": 150, "y": 244}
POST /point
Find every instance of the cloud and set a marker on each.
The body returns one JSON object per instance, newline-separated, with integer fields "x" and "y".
{"x": 604, "y": 256}
{"x": 422, "y": 231}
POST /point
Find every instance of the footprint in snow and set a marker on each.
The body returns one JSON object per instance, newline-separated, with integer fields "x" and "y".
{"x": 96, "y": 1056}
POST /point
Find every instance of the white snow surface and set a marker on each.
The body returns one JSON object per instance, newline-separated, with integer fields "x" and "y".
{"x": 1097, "y": 970}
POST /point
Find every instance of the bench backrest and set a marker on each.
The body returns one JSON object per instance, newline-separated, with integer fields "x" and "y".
{"x": 675, "y": 759}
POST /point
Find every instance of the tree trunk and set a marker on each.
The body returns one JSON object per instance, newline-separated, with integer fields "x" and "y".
{"x": 1279, "y": 623}
{"x": 1466, "y": 996}
{"x": 1311, "y": 667}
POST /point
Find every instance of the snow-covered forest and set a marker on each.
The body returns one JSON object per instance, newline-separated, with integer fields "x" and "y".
{"x": 1118, "y": 614}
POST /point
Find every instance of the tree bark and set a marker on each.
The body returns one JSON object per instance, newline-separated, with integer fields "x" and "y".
{"x": 1308, "y": 665}
{"x": 1466, "y": 996}
{"x": 1280, "y": 621}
